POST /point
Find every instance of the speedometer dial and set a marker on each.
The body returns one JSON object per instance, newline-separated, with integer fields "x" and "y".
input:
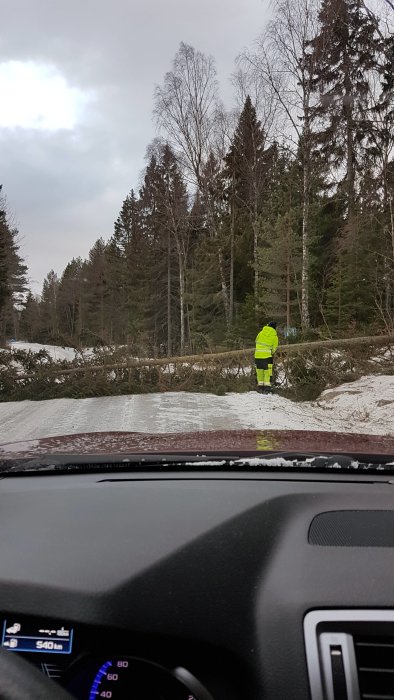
{"x": 127, "y": 679}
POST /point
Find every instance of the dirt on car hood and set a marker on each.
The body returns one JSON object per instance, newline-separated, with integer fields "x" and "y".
{"x": 220, "y": 441}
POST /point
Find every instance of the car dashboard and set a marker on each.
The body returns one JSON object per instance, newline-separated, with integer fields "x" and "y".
{"x": 200, "y": 586}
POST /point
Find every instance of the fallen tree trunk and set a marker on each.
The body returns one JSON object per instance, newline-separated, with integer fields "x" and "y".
{"x": 246, "y": 353}
{"x": 376, "y": 340}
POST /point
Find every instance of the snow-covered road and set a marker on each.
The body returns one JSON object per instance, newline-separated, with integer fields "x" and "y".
{"x": 364, "y": 406}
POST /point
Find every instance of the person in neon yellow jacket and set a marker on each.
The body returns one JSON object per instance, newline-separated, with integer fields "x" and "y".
{"x": 266, "y": 346}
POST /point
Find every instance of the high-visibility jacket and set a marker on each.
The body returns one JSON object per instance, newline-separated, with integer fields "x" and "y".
{"x": 266, "y": 342}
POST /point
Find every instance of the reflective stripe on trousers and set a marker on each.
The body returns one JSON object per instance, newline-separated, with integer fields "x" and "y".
{"x": 264, "y": 375}
{"x": 263, "y": 370}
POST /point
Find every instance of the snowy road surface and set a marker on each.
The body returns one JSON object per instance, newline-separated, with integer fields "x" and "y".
{"x": 364, "y": 406}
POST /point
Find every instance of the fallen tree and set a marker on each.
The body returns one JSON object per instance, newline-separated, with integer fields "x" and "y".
{"x": 302, "y": 370}
{"x": 293, "y": 349}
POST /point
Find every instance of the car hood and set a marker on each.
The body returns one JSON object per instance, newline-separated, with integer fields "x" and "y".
{"x": 222, "y": 441}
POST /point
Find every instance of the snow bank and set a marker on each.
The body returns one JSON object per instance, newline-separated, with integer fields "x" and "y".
{"x": 54, "y": 351}
{"x": 364, "y": 406}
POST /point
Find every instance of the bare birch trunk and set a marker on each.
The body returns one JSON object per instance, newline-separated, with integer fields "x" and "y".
{"x": 182, "y": 300}
{"x": 169, "y": 318}
{"x": 255, "y": 261}
{"x": 232, "y": 243}
{"x": 305, "y": 318}
{"x": 223, "y": 285}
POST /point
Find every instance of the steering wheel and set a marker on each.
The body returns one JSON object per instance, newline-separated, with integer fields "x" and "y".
{"x": 19, "y": 680}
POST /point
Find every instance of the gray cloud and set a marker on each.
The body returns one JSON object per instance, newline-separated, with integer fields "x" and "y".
{"x": 66, "y": 188}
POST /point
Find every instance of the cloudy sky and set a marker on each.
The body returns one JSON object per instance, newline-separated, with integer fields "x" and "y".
{"x": 76, "y": 87}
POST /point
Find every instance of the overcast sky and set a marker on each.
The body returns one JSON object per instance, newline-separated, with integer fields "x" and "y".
{"x": 76, "y": 97}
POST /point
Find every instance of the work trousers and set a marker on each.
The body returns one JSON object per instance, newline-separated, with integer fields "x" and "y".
{"x": 264, "y": 370}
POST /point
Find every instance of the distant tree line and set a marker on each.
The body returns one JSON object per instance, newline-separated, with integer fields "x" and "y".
{"x": 280, "y": 209}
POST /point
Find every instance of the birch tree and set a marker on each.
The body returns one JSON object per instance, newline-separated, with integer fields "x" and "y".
{"x": 283, "y": 62}
{"x": 186, "y": 108}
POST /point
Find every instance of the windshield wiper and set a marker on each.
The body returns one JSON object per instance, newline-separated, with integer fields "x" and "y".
{"x": 269, "y": 461}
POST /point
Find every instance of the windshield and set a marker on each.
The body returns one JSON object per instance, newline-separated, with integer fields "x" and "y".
{"x": 196, "y": 226}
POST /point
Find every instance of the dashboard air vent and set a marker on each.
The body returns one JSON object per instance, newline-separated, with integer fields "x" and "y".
{"x": 350, "y": 654}
{"x": 375, "y": 666}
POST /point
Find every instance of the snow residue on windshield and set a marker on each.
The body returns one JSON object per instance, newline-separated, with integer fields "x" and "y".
{"x": 265, "y": 462}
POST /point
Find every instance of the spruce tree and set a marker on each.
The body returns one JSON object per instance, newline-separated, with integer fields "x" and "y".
{"x": 5, "y": 290}
{"x": 13, "y": 276}
{"x": 30, "y": 319}
{"x": 248, "y": 168}
{"x": 49, "y": 331}
{"x": 281, "y": 246}
{"x": 345, "y": 52}
{"x": 345, "y": 56}
{"x": 126, "y": 256}
{"x": 99, "y": 324}
{"x": 159, "y": 262}
{"x": 70, "y": 304}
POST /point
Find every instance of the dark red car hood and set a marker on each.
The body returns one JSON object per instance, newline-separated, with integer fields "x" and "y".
{"x": 201, "y": 442}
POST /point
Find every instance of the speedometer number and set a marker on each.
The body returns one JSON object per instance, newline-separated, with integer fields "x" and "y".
{"x": 123, "y": 679}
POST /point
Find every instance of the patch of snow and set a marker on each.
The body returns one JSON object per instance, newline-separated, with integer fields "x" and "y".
{"x": 210, "y": 463}
{"x": 168, "y": 369}
{"x": 248, "y": 462}
{"x": 383, "y": 356}
{"x": 246, "y": 371}
{"x": 265, "y": 462}
{"x": 54, "y": 351}
{"x": 334, "y": 354}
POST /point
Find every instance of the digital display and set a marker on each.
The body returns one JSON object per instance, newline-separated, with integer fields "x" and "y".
{"x": 36, "y": 637}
